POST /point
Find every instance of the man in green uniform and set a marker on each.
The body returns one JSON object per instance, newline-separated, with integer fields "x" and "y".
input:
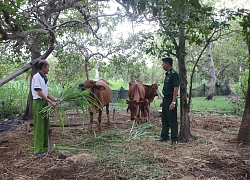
{"x": 41, "y": 98}
{"x": 169, "y": 104}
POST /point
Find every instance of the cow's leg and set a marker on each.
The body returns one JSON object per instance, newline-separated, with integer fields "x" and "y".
{"x": 99, "y": 120}
{"x": 91, "y": 122}
{"x": 107, "y": 112}
{"x": 137, "y": 114}
{"x": 148, "y": 114}
{"x": 148, "y": 108}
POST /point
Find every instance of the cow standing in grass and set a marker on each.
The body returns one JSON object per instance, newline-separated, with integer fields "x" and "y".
{"x": 136, "y": 96}
{"x": 102, "y": 94}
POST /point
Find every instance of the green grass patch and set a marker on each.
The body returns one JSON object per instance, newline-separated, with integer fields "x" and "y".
{"x": 219, "y": 104}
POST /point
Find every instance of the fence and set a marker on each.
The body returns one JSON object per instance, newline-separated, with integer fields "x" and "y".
{"x": 119, "y": 94}
{"x": 220, "y": 90}
{"x": 200, "y": 91}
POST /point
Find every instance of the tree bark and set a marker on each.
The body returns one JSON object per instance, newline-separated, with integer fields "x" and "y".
{"x": 18, "y": 72}
{"x": 212, "y": 71}
{"x": 185, "y": 133}
{"x": 244, "y": 131}
{"x": 34, "y": 55}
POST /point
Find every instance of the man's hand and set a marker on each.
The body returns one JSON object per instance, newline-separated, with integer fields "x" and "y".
{"x": 172, "y": 106}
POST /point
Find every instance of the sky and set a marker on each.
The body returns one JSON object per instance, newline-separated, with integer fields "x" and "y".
{"x": 235, "y": 3}
{"x": 126, "y": 28}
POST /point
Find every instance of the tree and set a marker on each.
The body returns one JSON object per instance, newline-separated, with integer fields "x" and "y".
{"x": 175, "y": 14}
{"x": 182, "y": 21}
{"x": 244, "y": 131}
{"x": 34, "y": 25}
{"x": 91, "y": 48}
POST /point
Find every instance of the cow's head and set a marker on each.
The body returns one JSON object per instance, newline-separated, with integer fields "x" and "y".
{"x": 134, "y": 108}
{"x": 90, "y": 84}
{"x": 155, "y": 90}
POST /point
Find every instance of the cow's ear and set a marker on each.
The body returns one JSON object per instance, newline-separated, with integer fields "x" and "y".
{"x": 126, "y": 101}
{"x": 158, "y": 84}
{"x": 99, "y": 87}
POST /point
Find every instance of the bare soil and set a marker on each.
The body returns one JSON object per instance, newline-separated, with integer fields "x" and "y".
{"x": 214, "y": 155}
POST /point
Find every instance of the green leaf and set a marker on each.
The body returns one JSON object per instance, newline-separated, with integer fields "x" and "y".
{"x": 195, "y": 3}
{"x": 142, "y": 6}
{"x": 155, "y": 11}
{"x": 185, "y": 9}
{"x": 176, "y": 4}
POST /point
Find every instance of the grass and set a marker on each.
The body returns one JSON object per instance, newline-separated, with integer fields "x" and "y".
{"x": 13, "y": 98}
{"x": 219, "y": 104}
{"x": 120, "y": 152}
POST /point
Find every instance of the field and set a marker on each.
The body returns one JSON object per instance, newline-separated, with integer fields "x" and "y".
{"x": 125, "y": 150}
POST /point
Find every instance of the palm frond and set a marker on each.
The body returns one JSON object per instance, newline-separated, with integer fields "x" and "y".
{"x": 72, "y": 98}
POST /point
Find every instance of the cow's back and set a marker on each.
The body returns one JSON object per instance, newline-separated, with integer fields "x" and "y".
{"x": 136, "y": 91}
{"x": 103, "y": 95}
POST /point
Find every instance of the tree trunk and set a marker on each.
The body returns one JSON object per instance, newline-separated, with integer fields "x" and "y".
{"x": 185, "y": 133}
{"x": 18, "y": 72}
{"x": 35, "y": 54}
{"x": 213, "y": 76}
{"x": 244, "y": 131}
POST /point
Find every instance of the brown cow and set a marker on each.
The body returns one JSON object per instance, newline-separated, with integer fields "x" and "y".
{"x": 136, "y": 95}
{"x": 102, "y": 93}
{"x": 151, "y": 91}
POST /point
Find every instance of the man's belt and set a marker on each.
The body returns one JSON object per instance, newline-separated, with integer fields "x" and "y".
{"x": 168, "y": 96}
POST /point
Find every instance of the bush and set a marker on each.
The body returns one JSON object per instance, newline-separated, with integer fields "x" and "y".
{"x": 9, "y": 108}
{"x": 13, "y": 98}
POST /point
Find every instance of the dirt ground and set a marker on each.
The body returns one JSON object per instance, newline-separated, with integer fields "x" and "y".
{"x": 214, "y": 155}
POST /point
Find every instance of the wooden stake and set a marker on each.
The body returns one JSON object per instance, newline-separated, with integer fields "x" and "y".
{"x": 49, "y": 140}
